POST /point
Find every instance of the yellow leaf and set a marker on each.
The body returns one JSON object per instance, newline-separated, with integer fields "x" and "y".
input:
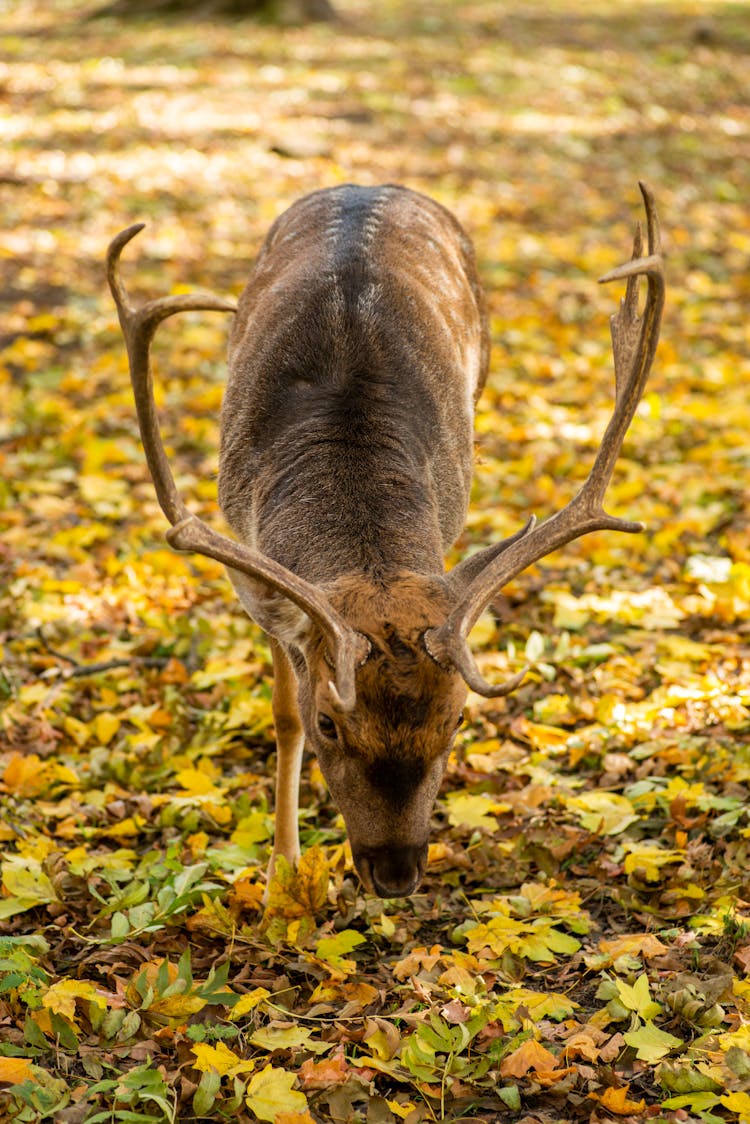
{"x": 543, "y": 1004}
{"x": 197, "y": 783}
{"x": 247, "y": 894}
{"x": 198, "y": 842}
{"x": 43, "y": 1020}
{"x": 15, "y": 1070}
{"x": 131, "y": 825}
{"x": 540, "y": 736}
{"x": 61, "y": 997}
{"x": 637, "y": 997}
{"x": 467, "y": 809}
{"x": 249, "y": 1002}
{"x": 251, "y": 829}
{"x": 79, "y": 731}
{"x": 333, "y": 949}
{"x": 616, "y": 1100}
{"x": 738, "y": 1103}
{"x": 219, "y": 668}
{"x": 401, "y": 1110}
{"x": 646, "y": 944}
{"x": 682, "y": 648}
{"x": 106, "y": 726}
{"x": 173, "y": 1008}
{"x": 25, "y": 774}
{"x": 270, "y": 1093}
{"x": 648, "y": 859}
{"x": 106, "y": 494}
{"x": 176, "y": 1008}
{"x": 24, "y": 878}
{"x": 484, "y": 630}
{"x": 280, "y": 1037}
{"x": 220, "y": 1059}
{"x": 603, "y": 813}
{"x": 250, "y": 712}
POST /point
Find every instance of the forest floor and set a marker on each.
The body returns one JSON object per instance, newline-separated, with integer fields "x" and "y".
{"x": 580, "y": 948}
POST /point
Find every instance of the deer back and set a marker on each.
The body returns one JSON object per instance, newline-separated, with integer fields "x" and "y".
{"x": 358, "y": 350}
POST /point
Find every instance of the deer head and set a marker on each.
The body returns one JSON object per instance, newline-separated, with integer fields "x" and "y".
{"x": 372, "y": 667}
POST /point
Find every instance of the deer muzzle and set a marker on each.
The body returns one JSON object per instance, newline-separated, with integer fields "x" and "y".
{"x": 391, "y": 872}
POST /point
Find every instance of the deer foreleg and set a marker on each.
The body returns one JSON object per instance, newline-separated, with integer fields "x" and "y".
{"x": 290, "y": 741}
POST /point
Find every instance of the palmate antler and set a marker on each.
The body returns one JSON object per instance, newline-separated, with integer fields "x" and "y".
{"x": 347, "y": 648}
{"x": 634, "y": 340}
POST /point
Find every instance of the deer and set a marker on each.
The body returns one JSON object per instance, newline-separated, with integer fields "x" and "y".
{"x": 357, "y": 352}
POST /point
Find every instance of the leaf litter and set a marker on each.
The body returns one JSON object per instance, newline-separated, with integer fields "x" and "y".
{"x": 579, "y": 950}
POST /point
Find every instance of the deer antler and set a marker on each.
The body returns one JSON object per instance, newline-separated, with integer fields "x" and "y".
{"x": 634, "y": 340}
{"x": 346, "y": 646}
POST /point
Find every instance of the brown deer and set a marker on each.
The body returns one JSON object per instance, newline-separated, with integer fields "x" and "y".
{"x": 357, "y": 353}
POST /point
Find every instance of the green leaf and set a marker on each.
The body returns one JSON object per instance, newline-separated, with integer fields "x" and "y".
{"x": 333, "y": 949}
{"x": 650, "y": 1043}
{"x": 205, "y": 1094}
{"x": 697, "y": 1102}
{"x": 119, "y": 925}
{"x": 510, "y": 1096}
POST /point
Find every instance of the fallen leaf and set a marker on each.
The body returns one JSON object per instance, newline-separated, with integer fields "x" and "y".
{"x": 13, "y": 1071}
{"x": 530, "y": 1056}
{"x": 270, "y": 1092}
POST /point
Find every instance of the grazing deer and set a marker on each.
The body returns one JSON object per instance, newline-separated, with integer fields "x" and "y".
{"x": 357, "y": 353}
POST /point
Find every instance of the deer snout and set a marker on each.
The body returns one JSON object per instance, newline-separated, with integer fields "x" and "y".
{"x": 391, "y": 872}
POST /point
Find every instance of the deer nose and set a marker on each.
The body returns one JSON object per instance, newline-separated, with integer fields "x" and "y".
{"x": 391, "y": 872}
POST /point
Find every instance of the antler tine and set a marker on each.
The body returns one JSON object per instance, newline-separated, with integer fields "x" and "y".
{"x": 634, "y": 340}
{"x": 138, "y": 327}
{"x": 188, "y": 532}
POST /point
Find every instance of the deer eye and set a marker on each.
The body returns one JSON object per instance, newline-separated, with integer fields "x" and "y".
{"x": 460, "y": 721}
{"x": 327, "y": 727}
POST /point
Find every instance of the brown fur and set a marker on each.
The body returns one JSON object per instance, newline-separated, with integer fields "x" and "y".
{"x": 358, "y": 350}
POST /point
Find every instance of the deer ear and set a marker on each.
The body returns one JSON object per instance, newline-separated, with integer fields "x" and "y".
{"x": 276, "y": 614}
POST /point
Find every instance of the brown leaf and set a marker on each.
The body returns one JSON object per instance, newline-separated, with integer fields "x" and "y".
{"x": 333, "y": 1070}
{"x": 301, "y": 891}
{"x": 456, "y": 1012}
{"x": 529, "y": 1056}
{"x": 611, "y": 1049}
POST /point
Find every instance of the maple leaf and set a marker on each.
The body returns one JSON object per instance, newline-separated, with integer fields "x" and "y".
{"x": 637, "y": 997}
{"x": 531, "y": 1056}
{"x": 298, "y": 893}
